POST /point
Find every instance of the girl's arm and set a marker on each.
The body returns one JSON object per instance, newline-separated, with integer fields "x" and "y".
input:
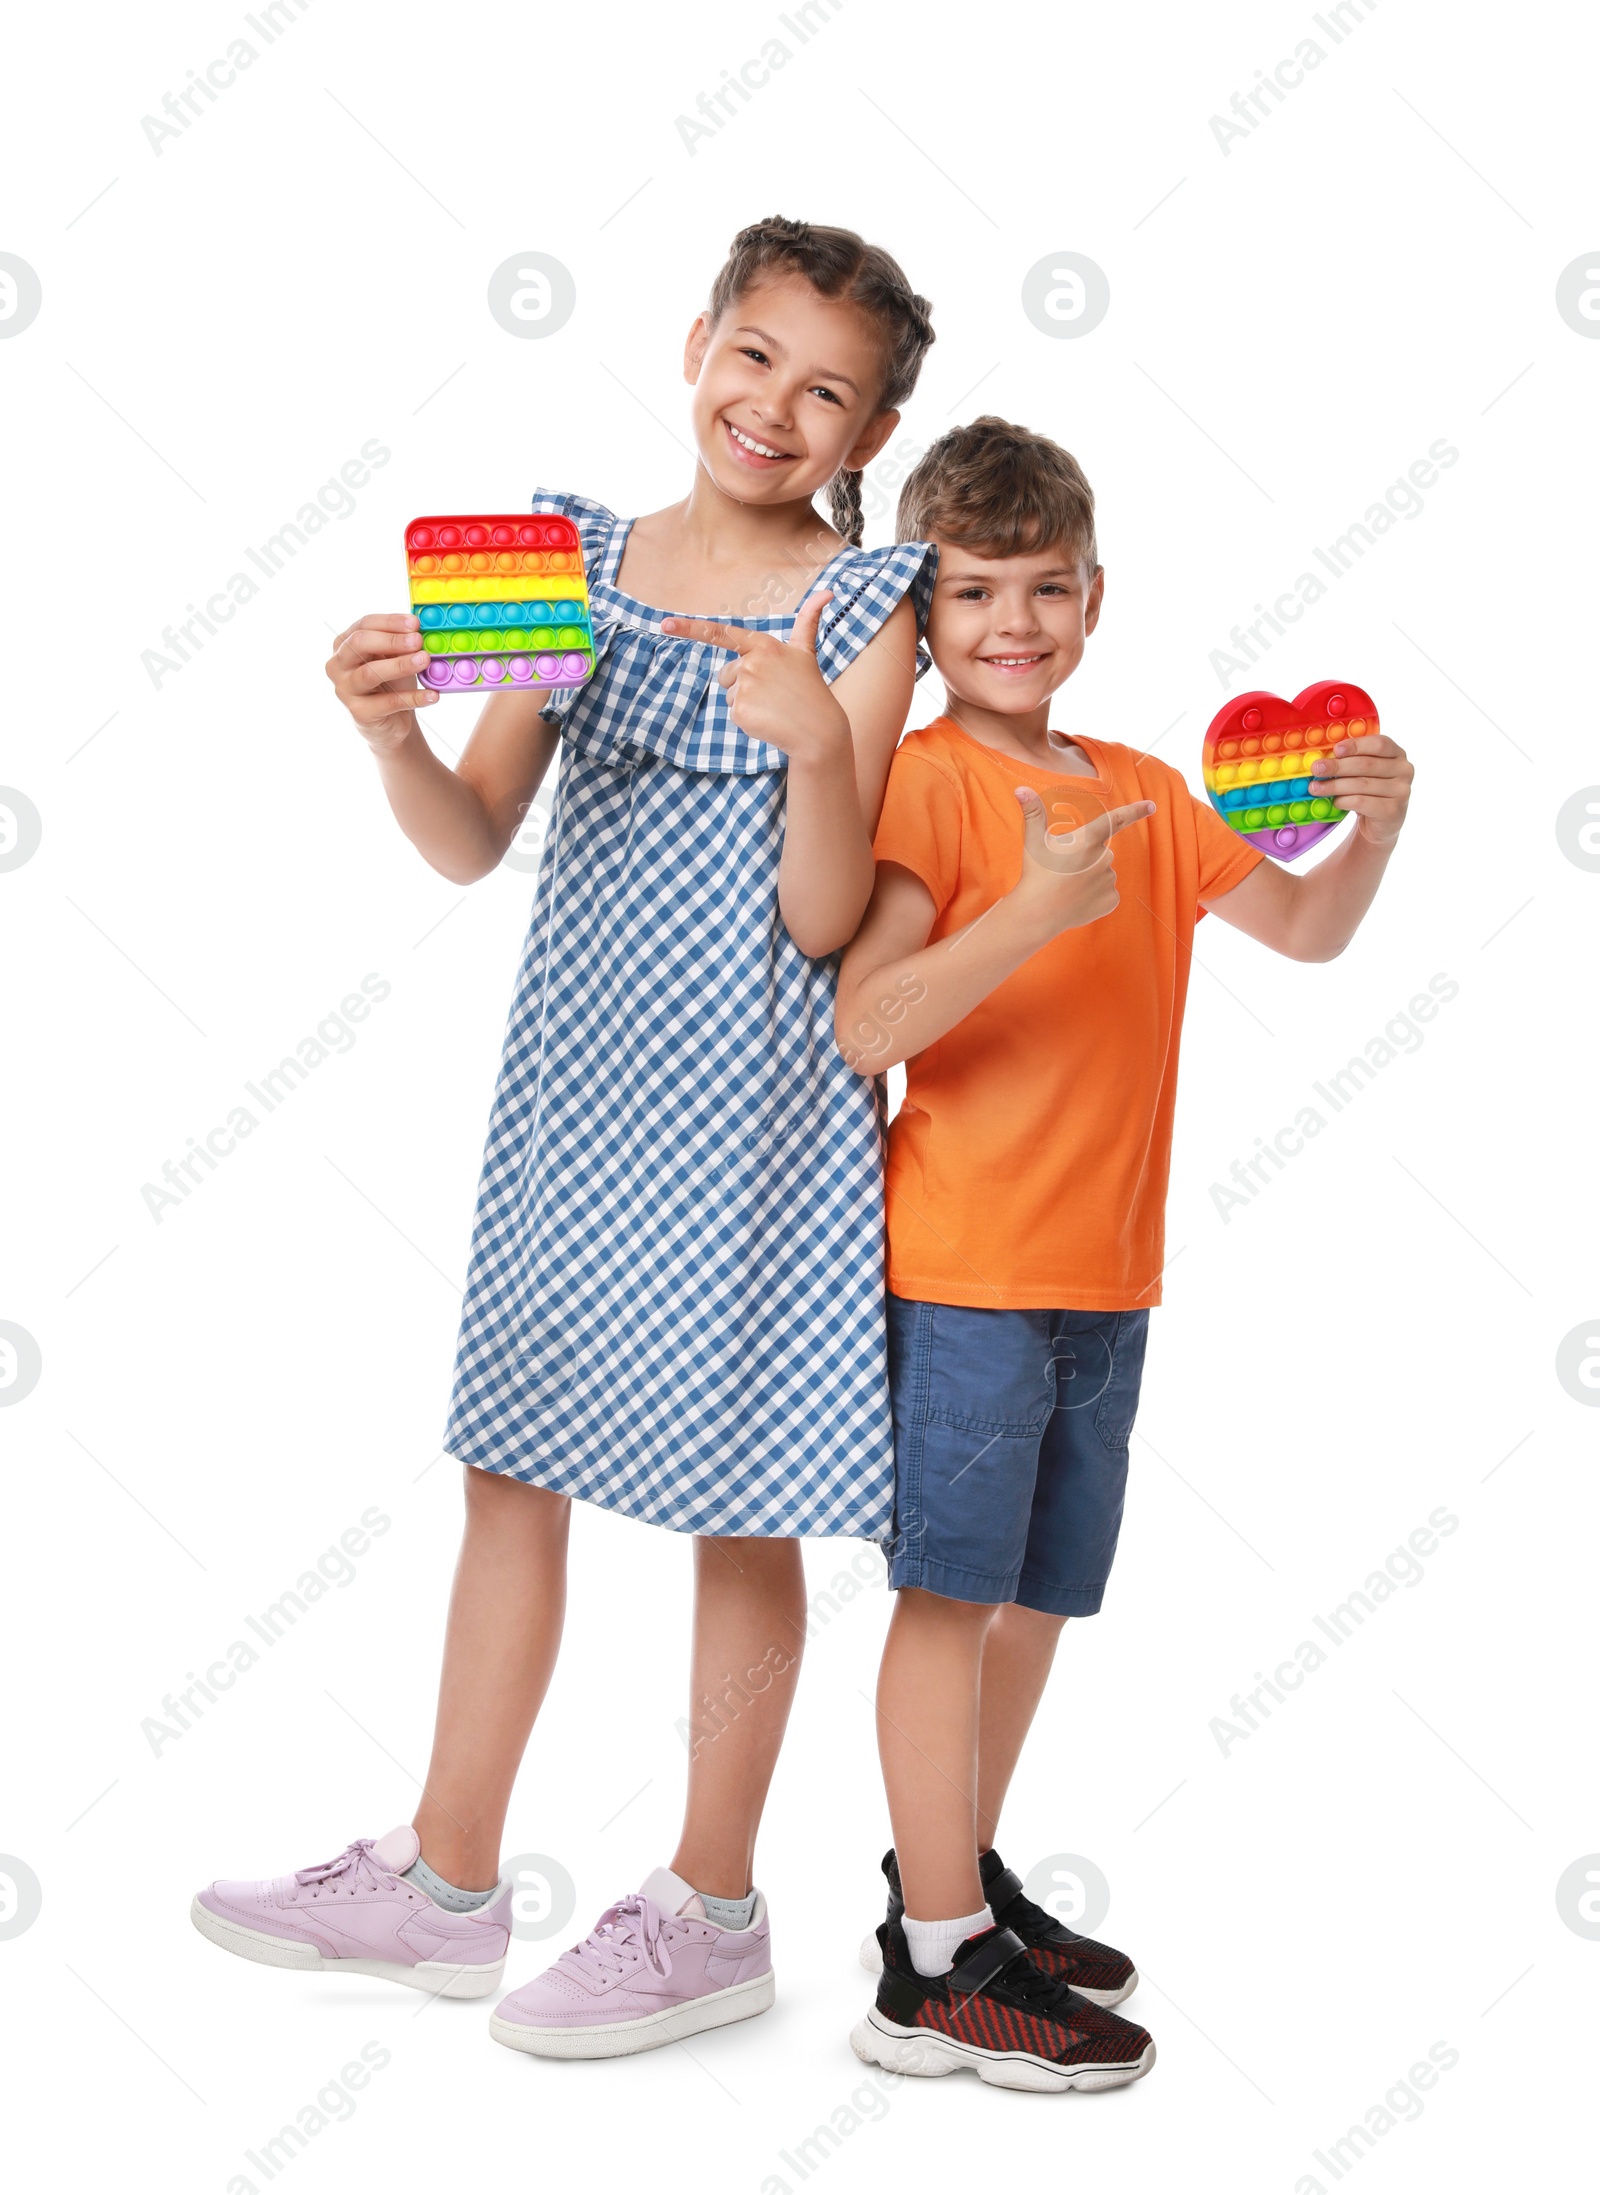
{"x": 461, "y": 821}
{"x": 839, "y": 740}
{"x": 1314, "y": 917}
{"x": 898, "y": 994}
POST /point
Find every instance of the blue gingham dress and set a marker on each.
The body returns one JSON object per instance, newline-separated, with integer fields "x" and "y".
{"x": 675, "y": 1301}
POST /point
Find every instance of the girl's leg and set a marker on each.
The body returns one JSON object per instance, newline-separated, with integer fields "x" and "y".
{"x": 1017, "y": 1655}
{"x": 749, "y": 1630}
{"x": 928, "y": 1697}
{"x": 504, "y": 1629}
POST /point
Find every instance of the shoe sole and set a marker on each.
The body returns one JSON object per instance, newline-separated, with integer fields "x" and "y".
{"x": 623, "y": 2037}
{"x": 872, "y": 1960}
{"x": 920, "y": 2050}
{"x": 435, "y": 1976}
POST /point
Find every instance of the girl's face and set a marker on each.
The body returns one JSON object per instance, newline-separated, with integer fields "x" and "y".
{"x": 786, "y": 392}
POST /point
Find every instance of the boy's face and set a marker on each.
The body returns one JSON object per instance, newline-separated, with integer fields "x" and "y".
{"x": 1005, "y": 632}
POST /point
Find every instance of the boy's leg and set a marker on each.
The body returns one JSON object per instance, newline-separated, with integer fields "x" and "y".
{"x": 1017, "y": 1654}
{"x": 1097, "y": 1363}
{"x": 928, "y": 1693}
{"x": 501, "y": 1640}
{"x": 749, "y": 1630}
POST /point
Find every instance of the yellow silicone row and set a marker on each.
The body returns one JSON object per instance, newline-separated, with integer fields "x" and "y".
{"x": 1265, "y": 769}
{"x": 501, "y": 587}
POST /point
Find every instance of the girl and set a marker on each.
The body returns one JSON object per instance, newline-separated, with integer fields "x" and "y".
{"x": 674, "y": 1305}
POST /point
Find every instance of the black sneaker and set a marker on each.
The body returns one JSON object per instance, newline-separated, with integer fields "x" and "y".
{"x": 1093, "y": 1969}
{"x": 998, "y": 2012}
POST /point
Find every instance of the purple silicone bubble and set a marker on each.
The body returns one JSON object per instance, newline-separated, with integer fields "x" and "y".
{"x": 493, "y": 670}
{"x": 466, "y": 670}
{"x": 575, "y": 665}
{"x": 1290, "y": 840}
{"x": 548, "y": 665}
{"x": 520, "y": 668}
{"x": 436, "y": 672}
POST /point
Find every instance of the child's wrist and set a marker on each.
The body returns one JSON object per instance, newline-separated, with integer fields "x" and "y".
{"x": 822, "y": 741}
{"x": 1038, "y": 915}
{"x": 390, "y": 740}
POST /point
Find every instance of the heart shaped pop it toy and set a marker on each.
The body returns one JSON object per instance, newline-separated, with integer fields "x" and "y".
{"x": 501, "y": 602}
{"x": 1257, "y": 761}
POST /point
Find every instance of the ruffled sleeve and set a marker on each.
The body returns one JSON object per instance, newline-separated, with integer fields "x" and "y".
{"x": 867, "y": 585}
{"x": 593, "y": 521}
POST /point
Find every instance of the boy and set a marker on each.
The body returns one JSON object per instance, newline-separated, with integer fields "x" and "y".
{"x": 1026, "y": 953}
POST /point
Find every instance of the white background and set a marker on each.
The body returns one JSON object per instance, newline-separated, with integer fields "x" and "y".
{"x": 1293, "y": 321}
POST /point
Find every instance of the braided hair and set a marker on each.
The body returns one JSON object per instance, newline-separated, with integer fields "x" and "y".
{"x": 838, "y": 264}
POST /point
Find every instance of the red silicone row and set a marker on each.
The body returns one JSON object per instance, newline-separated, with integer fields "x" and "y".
{"x": 491, "y": 533}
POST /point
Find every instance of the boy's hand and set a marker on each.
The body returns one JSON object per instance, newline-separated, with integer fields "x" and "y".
{"x": 776, "y": 690}
{"x": 1069, "y": 877}
{"x": 1371, "y": 779}
{"x": 374, "y": 668}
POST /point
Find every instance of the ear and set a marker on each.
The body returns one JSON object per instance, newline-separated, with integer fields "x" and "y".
{"x": 1093, "y": 599}
{"x": 872, "y": 438}
{"x": 694, "y": 349}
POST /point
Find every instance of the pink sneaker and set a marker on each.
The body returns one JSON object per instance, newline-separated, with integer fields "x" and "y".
{"x": 654, "y": 1970}
{"x": 354, "y": 1915}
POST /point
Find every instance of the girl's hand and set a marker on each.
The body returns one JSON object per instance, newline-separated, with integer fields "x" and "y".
{"x": 374, "y": 668}
{"x": 1371, "y": 779}
{"x": 776, "y": 690}
{"x": 1069, "y": 877}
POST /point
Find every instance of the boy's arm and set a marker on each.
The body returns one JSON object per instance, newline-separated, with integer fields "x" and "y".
{"x": 1314, "y": 917}
{"x": 898, "y": 994}
{"x": 461, "y": 821}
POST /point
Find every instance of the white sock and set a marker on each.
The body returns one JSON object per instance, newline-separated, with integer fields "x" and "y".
{"x": 446, "y": 1894}
{"x": 731, "y": 1913}
{"x": 934, "y": 1944}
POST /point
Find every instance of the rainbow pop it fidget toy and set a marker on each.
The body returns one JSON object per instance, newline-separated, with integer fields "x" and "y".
{"x": 501, "y": 602}
{"x": 1257, "y": 761}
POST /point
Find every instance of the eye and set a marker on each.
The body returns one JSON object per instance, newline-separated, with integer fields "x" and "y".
{"x": 827, "y": 394}
{"x": 1052, "y": 586}
{"x": 760, "y": 357}
{"x": 972, "y": 594}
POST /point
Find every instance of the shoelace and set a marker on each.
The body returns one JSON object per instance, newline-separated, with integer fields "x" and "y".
{"x": 1048, "y": 1993}
{"x": 355, "y": 1861}
{"x": 1036, "y": 1918}
{"x": 633, "y": 1930}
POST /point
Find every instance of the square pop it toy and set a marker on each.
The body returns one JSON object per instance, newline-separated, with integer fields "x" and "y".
{"x": 501, "y": 602}
{"x": 1258, "y": 756}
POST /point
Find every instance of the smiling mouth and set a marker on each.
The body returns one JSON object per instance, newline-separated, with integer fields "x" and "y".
{"x": 1011, "y": 662}
{"x": 750, "y": 451}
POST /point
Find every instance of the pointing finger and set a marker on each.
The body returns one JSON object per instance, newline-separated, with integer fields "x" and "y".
{"x": 1101, "y": 828}
{"x": 712, "y": 629}
{"x": 1119, "y": 819}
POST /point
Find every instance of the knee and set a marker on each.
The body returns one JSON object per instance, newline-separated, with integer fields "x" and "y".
{"x": 1035, "y": 1623}
{"x": 496, "y": 1499}
{"x": 921, "y": 1606}
{"x": 759, "y": 1562}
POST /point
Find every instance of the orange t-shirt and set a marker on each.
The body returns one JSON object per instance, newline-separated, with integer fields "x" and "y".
{"x": 1028, "y": 1164}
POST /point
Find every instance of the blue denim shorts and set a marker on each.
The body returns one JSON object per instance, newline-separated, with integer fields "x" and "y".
{"x": 1011, "y": 1450}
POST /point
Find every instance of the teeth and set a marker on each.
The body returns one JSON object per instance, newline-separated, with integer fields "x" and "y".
{"x": 749, "y": 443}
{"x": 1012, "y": 660}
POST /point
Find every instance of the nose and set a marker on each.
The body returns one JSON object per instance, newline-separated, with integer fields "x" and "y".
{"x": 1016, "y": 616}
{"x": 775, "y": 406}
